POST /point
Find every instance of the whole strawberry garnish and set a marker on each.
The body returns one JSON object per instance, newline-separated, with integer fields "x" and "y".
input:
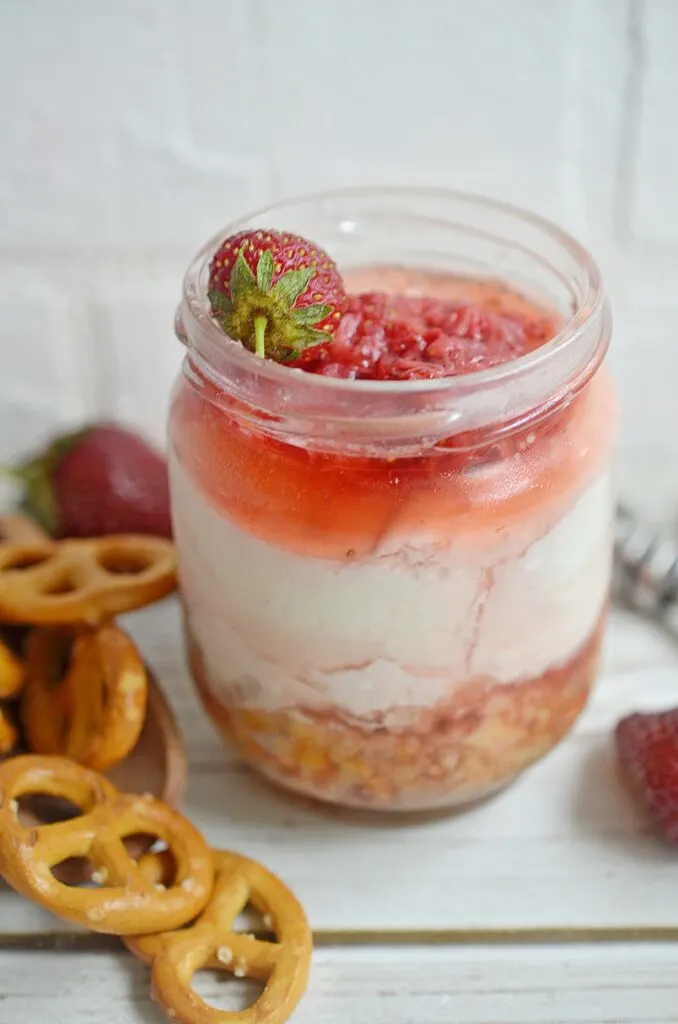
{"x": 99, "y": 480}
{"x": 275, "y": 292}
{"x": 647, "y": 745}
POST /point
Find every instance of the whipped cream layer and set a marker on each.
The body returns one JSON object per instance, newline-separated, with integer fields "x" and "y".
{"x": 400, "y": 630}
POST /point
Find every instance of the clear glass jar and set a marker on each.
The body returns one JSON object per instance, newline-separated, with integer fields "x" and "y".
{"x": 394, "y": 592}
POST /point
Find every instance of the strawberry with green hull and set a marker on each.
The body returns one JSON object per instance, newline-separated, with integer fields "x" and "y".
{"x": 99, "y": 480}
{"x": 275, "y": 292}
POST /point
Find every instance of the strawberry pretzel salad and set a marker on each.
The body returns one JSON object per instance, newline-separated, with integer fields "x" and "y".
{"x": 390, "y": 475}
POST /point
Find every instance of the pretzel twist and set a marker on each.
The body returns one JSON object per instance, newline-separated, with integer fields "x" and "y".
{"x": 9, "y": 735}
{"x": 128, "y": 902}
{"x": 211, "y": 942}
{"x": 16, "y": 529}
{"x": 85, "y": 695}
{"x": 61, "y": 582}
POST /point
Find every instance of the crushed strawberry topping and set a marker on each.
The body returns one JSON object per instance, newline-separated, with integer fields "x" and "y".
{"x": 402, "y": 337}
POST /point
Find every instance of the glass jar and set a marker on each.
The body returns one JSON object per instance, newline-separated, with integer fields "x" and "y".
{"x": 395, "y": 591}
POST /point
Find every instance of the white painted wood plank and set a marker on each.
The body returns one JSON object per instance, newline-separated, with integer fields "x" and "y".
{"x": 625, "y": 984}
{"x": 563, "y": 848}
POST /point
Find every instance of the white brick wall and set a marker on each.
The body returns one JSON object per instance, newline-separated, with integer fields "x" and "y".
{"x": 130, "y": 130}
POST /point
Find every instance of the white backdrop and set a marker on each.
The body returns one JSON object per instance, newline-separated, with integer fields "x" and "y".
{"x": 129, "y": 131}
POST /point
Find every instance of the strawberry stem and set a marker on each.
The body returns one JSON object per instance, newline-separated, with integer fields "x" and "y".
{"x": 259, "y": 332}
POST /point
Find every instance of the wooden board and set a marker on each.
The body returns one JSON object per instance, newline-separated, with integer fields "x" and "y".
{"x": 625, "y": 984}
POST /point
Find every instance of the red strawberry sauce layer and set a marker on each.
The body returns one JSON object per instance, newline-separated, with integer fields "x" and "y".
{"x": 407, "y": 337}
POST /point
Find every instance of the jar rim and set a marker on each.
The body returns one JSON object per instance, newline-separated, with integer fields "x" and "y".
{"x": 568, "y": 359}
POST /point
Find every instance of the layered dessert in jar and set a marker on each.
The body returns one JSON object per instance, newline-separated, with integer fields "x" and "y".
{"x": 392, "y": 501}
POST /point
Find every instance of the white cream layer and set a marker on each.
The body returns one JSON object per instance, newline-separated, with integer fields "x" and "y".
{"x": 405, "y": 629}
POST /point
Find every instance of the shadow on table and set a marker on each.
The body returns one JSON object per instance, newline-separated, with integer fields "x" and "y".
{"x": 606, "y": 812}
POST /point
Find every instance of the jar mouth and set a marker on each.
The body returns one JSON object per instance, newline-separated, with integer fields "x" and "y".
{"x": 564, "y": 363}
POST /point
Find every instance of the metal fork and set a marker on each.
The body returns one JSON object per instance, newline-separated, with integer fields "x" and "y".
{"x": 646, "y": 566}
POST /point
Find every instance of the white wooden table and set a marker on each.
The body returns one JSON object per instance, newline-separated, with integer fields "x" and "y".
{"x": 551, "y": 903}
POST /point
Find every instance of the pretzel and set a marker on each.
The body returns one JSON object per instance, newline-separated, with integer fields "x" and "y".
{"x": 15, "y": 529}
{"x": 9, "y": 736}
{"x": 60, "y": 582}
{"x": 11, "y": 682}
{"x": 129, "y": 902}
{"x": 93, "y": 708}
{"x": 11, "y": 672}
{"x": 210, "y": 942}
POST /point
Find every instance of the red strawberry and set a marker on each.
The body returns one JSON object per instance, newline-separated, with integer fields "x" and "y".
{"x": 100, "y": 480}
{"x": 275, "y": 292}
{"x": 647, "y": 745}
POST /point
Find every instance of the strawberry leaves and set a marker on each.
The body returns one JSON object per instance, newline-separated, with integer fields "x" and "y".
{"x": 291, "y": 285}
{"x": 263, "y": 313}
{"x": 265, "y": 271}
{"x": 275, "y": 293}
{"x": 309, "y": 315}
{"x": 242, "y": 278}
{"x": 221, "y": 304}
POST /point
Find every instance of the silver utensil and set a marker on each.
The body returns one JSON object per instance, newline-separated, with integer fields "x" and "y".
{"x": 646, "y": 566}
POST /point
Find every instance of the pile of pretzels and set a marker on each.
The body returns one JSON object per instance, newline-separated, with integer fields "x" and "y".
{"x": 80, "y": 687}
{"x": 79, "y": 682}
